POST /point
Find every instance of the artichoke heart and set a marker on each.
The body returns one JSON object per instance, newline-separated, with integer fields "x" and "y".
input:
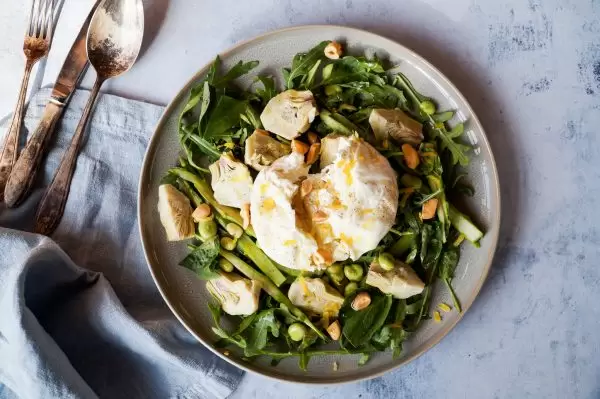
{"x": 330, "y": 147}
{"x": 401, "y": 282}
{"x": 396, "y": 125}
{"x": 262, "y": 150}
{"x": 175, "y": 213}
{"x": 315, "y": 295}
{"x": 289, "y": 114}
{"x": 236, "y": 294}
{"x": 231, "y": 181}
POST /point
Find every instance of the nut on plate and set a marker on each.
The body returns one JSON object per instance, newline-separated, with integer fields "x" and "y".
{"x": 361, "y": 301}
{"x": 299, "y": 147}
{"x": 313, "y": 153}
{"x": 335, "y": 330}
{"x": 245, "y": 214}
{"x": 333, "y": 50}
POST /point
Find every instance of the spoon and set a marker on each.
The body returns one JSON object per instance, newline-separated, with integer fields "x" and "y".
{"x": 113, "y": 44}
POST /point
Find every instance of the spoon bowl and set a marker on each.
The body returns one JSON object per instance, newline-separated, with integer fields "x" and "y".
{"x": 115, "y": 36}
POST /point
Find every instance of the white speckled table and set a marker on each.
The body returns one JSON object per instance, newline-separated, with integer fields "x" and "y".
{"x": 531, "y": 70}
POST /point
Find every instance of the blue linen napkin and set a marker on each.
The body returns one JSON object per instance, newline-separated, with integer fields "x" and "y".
{"x": 80, "y": 316}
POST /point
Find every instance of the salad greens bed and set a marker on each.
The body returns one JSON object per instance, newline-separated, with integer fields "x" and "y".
{"x": 219, "y": 116}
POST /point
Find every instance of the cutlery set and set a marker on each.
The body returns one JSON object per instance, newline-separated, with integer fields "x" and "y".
{"x": 109, "y": 40}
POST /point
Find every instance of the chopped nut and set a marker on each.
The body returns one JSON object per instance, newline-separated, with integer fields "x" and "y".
{"x": 361, "y": 301}
{"x": 300, "y": 147}
{"x": 322, "y": 257}
{"x": 261, "y": 131}
{"x": 202, "y": 212}
{"x": 312, "y": 137}
{"x": 245, "y": 214}
{"x": 313, "y": 153}
{"x": 319, "y": 217}
{"x": 305, "y": 188}
{"x": 411, "y": 156}
{"x": 333, "y": 51}
{"x": 335, "y": 330}
{"x": 336, "y": 366}
{"x": 437, "y": 317}
{"x": 429, "y": 208}
{"x": 226, "y": 353}
{"x": 445, "y": 308}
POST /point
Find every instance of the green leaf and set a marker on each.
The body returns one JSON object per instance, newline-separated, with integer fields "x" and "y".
{"x": 448, "y": 263}
{"x": 359, "y": 326}
{"x": 309, "y": 79}
{"x": 257, "y": 335}
{"x": 355, "y": 69}
{"x": 239, "y": 69}
{"x": 268, "y": 91}
{"x": 457, "y": 150}
{"x": 302, "y": 65}
{"x": 204, "y": 260}
{"x": 211, "y": 76}
{"x": 224, "y": 117}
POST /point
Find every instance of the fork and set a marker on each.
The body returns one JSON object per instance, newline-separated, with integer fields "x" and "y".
{"x": 38, "y": 38}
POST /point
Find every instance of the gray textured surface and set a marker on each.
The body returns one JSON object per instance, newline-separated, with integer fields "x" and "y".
{"x": 531, "y": 70}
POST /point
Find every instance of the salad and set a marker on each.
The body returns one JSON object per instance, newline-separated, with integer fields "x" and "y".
{"x": 320, "y": 216}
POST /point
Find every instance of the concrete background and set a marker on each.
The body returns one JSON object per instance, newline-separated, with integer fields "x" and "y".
{"x": 531, "y": 70}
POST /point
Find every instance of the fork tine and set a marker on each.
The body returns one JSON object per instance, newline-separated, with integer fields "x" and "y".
{"x": 33, "y": 18}
{"x": 43, "y": 19}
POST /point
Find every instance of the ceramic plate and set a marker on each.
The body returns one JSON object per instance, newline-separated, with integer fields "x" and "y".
{"x": 186, "y": 295}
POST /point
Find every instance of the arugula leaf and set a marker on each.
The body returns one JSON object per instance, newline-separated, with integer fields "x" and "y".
{"x": 238, "y": 70}
{"x": 258, "y": 332}
{"x": 359, "y": 326}
{"x": 448, "y": 263}
{"x": 447, "y": 142}
{"x": 204, "y": 260}
{"x": 364, "y": 358}
{"x": 224, "y": 116}
{"x": 302, "y": 65}
{"x": 355, "y": 69}
{"x": 268, "y": 91}
{"x": 216, "y": 312}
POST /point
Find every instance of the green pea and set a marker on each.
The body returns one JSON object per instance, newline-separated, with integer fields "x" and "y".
{"x": 225, "y": 265}
{"x": 235, "y": 230}
{"x": 297, "y": 331}
{"x": 335, "y": 273}
{"x": 207, "y": 228}
{"x": 350, "y": 289}
{"x": 387, "y": 261}
{"x": 228, "y": 243}
{"x": 354, "y": 272}
{"x": 428, "y": 107}
{"x": 332, "y": 90}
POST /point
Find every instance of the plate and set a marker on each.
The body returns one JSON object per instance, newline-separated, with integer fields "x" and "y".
{"x": 187, "y": 296}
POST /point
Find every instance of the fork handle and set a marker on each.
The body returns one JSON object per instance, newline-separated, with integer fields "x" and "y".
{"x": 11, "y": 142}
{"x": 52, "y": 205}
{"x": 26, "y": 168}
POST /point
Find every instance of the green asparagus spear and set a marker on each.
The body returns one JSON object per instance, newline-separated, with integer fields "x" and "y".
{"x": 270, "y": 289}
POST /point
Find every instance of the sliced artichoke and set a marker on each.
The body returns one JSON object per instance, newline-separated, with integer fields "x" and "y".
{"x": 175, "y": 213}
{"x": 289, "y": 114}
{"x": 262, "y": 150}
{"x": 394, "y": 124}
{"x": 401, "y": 282}
{"x": 236, "y": 294}
{"x": 314, "y": 295}
{"x": 231, "y": 181}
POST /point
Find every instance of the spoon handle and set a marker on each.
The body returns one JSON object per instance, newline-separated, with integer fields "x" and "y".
{"x": 52, "y": 205}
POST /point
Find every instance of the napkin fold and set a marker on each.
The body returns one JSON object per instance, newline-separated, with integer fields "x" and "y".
{"x": 80, "y": 316}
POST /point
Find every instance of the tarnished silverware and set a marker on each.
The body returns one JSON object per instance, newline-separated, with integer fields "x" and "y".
{"x": 26, "y": 168}
{"x": 113, "y": 44}
{"x": 36, "y": 46}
